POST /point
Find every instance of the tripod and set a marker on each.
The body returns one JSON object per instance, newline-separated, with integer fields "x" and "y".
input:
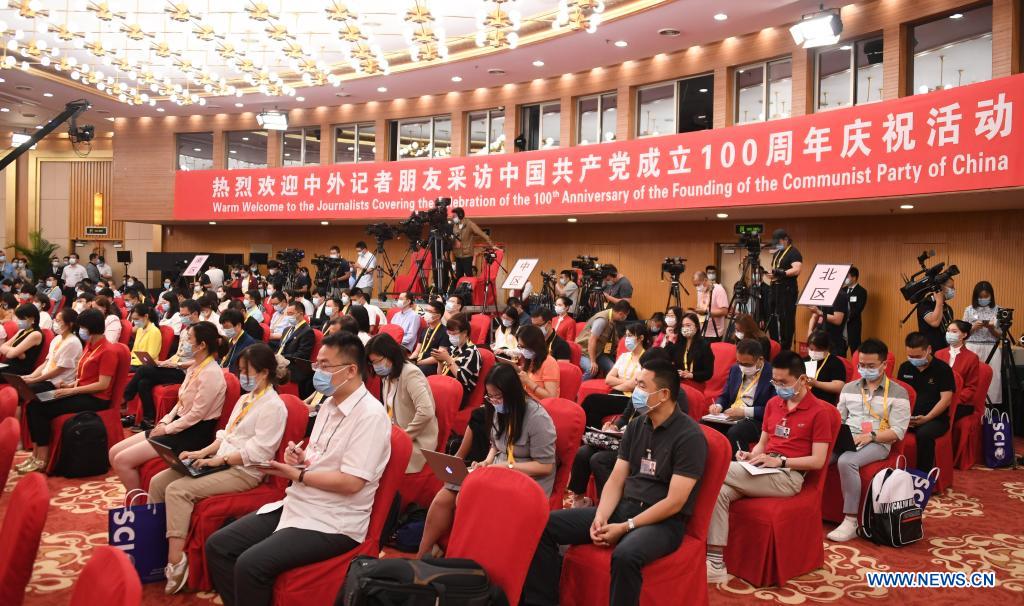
{"x": 674, "y": 298}
{"x": 489, "y": 283}
{"x": 381, "y": 254}
{"x": 1011, "y": 380}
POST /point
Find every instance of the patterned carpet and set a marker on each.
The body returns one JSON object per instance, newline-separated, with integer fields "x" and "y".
{"x": 977, "y": 526}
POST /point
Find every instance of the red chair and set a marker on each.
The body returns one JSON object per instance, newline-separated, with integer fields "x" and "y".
{"x": 967, "y": 430}
{"x": 676, "y": 579}
{"x": 773, "y": 539}
{"x": 570, "y": 421}
{"x": 851, "y": 370}
{"x": 212, "y": 513}
{"x": 478, "y": 286}
{"x": 407, "y": 282}
{"x": 590, "y": 387}
{"x": 319, "y": 583}
{"x": 111, "y": 416}
{"x": 127, "y": 330}
{"x": 725, "y": 357}
{"x": 11, "y": 328}
{"x": 166, "y": 340}
{"x": 480, "y": 329}
{"x": 45, "y": 349}
{"x": 109, "y": 579}
{"x": 476, "y": 397}
{"x": 575, "y": 352}
{"x": 19, "y": 536}
{"x": 570, "y": 377}
{"x": 8, "y": 402}
{"x": 394, "y": 330}
{"x": 943, "y": 445}
{"x": 774, "y": 348}
{"x": 9, "y": 434}
{"x": 420, "y": 487}
{"x": 579, "y": 328}
{"x": 504, "y": 550}
{"x": 890, "y": 363}
{"x": 318, "y": 338}
{"x": 266, "y": 332}
{"x": 697, "y": 402}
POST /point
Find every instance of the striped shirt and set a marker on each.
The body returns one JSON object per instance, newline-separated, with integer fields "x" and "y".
{"x": 894, "y": 409}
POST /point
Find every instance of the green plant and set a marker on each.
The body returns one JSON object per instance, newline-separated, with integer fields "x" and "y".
{"x": 37, "y": 253}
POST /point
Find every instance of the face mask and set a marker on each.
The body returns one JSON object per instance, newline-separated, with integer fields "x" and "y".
{"x": 545, "y": 330}
{"x": 383, "y": 369}
{"x": 51, "y": 284}
{"x": 83, "y": 334}
{"x": 137, "y": 323}
{"x": 272, "y": 271}
{"x": 786, "y": 393}
{"x": 279, "y": 308}
{"x": 345, "y": 299}
{"x": 739, "y": 335}
{"x": 198, "y": 288}
{"x": 506, "y": 323}
{"x": 401, "y": 303}
{"x": 528, "y": 354}
{"x": 78, "y": 307}
{"x": 639, "y": 400}
{"x": 749, "y": 370}
{"x": 73, "y": 261}
{"x": 58, "y": 328}
{"x": 449, "y": 306}
{"x": 247, "y": 383}
{"x": 186, "y": 321}
{"x": 430, "y": 317}
{"x": 22, "y": 324}
{"x": 334, "y": 255}
{"x": 950, "y": 293}
{"x": 131, "y": 282}
{"x": 869, "y": 374}
{"x": 230, "y": 332}
{"x": 630, "y": 343}
{"x": 953, "y": 338}
{"x": 167, "y": 285}
{"x": 329, "y": 311}
{"x": 322, "y": 382}
{"x": 290, "y": 321}
{"x": 220, "y": 295}
{"x": 185, "y": 350}
{"x": 918, "y": 362}
{"x": 559, "y": 309}
{"x": 249, "y": 304}
{"x": 5, "y": 288}
{"x": 454, "y": 339}
{"x": 688, "y": 331}
{"x": 317, "y": 301}
{"x": 670, "y": 321}
{"x": 817, "y": 356}
{"x": 162, "y": 308}
{"x": 984, "y": 302}
{"x": 563, "y": 281}
{"x": 55, "y": 265}
{"x": 456, "y": 220}
{"x": 847, "y": 282}
{"x": 270, "y": 292}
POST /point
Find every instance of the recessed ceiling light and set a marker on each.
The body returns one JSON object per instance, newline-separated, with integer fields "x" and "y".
{"x": 22, "y": 87}
{"x": 239, "y": 104}
{"x": 4, "y": 110}
{"x": 703, "y": 90}
{"x": 456, "y": 78}
{"x": 845, "y": 47}
{"x": 342, "y": 95}
{"x": 2, "y": 80}
{"x": 234, "y": 151}
{"x": 197, "y": 149}
{"x": 496, "y": 71}
{"x": 538, "y": 63}
{"x": 382, "y": 89}
{"x": 110, "y": 119}
{"x": 300, "y": 99}
{"x": 160, "y": 109}
{"x": 572, "y": 219}
{"x": 957, "y": 16}
{"x": 907, "y": 206}
{"x": 47, "y": 94}
{"x": 287, "y": 155}
{"x": 721, "y": 16}
{"x": 213, "y": 222}
{"x": 39, "y": 126}
{"x": 621, "y": 43}
{"x": 668, "y": 31}
{"x": 325, "y": 223}
{"x": 722, "y": 215}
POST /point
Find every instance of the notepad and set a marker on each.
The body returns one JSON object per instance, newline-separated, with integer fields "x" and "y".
{"x": 811, "y": 368}
{"x": 719, "y": 418}
{"x": 754, "y": 470}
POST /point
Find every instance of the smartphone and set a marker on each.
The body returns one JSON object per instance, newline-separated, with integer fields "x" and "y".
{"x": 504, "y": 360}
{"x": 266, "y": 465}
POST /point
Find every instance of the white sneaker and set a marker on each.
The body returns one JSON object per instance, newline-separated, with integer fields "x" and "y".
{"x": 717, "y": 572}
{"x": 177, "y": 575}
{"x": 845, "y": 531}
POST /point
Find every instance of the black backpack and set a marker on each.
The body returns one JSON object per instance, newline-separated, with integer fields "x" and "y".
{"x": 83, "y": 447}
{"x": 426, "y": 582}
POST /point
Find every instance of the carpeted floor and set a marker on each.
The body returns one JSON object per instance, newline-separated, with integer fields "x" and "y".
{"x": 978, "y": 526}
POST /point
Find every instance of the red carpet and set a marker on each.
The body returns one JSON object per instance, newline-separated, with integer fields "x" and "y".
{"x": 979, "y": 526}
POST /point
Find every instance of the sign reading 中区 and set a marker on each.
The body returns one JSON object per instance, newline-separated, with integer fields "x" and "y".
{"x": 823, "y": 285}
{"x": 520, "y": 273}
{"x": 960, "y": 139}
{"x": 194, "y": 267}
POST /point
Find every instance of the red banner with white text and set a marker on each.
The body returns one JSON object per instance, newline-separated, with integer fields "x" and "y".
{"x": 959, "y": 139}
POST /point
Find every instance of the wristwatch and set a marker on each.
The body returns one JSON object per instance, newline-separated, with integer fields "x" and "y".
{"x": 630, "y": 525}
{"x": 873, "y": 436}
{"x": 782, "y": 461}
{"x": 302, "y": 476}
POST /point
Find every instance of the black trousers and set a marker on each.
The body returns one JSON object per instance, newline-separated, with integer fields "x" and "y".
{"x": 590, "y": 460}
{"x": 634, "y": 550}
{"x": 246, "y": 557}
{"x": 143, "y": 380}
{"x": 926, "y": 436}
{"x": 40, "y": 414}
{"x": 784, "y": 307}
{"x": 597, "y": 406}
{"x": 463, "y": 267}
{"x": 745, "y": 432}
{"x": 853, "y": 329}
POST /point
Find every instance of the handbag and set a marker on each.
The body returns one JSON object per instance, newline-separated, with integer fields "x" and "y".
{"x": 890, "y": 515}
{"x": 426, "y": 582}
{"x": 600, "y": 440}
{"x": 995, "y": 438}
{"x": 924, "y": 482}
{"x": 141, "y": 532}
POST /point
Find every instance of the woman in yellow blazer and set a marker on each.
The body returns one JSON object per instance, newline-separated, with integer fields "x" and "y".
{"x": 147, "y": 333}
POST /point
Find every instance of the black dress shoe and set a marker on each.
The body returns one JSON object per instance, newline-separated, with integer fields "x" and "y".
{"x": 143, "y": 426}
{"x": 127, "y": 420}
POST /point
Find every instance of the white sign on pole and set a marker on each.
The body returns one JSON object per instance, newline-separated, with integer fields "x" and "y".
{"x": 520, "y": 273}
{"x": 824, "y": 285}
{"x": 196, "y": 264}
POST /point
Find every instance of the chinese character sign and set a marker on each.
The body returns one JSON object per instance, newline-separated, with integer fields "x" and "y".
{"x": 960, "y": 139}
{"x": 823, "y": 285}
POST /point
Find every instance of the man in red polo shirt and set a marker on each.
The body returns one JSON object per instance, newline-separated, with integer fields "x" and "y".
{"x": 795, "y": 436}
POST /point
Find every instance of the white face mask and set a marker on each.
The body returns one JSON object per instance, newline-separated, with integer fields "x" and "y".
{"x": 817, "y": 356}
{"x": 559, "y": 309}
{"x": 670, "y": 321}
{"x": 739, "y": 335}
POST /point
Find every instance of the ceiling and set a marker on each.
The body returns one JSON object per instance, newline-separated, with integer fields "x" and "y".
{"x": 567, "y": 52}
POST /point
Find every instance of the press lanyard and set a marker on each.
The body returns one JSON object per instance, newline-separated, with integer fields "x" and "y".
{"x": 53, "y": 361}
{"x": 288, "y": 335}
{"x": 246, "y": 408}
{"x": 18, "y": 338}
{"x": 822, "y": 365}
{"x": 316, "y": 443}
{"x": 778, "y": 260}
{"x": 510, "y": 444}
{"x": 92, "y": 354}
{"x": 686, "y": 355}
{"x": 427, "y": 341}
{"x": 739, "y": 394}
{"x": 390, "y": 406}
{"x": 883, "y": 420}
{"x": 631, "y": 366}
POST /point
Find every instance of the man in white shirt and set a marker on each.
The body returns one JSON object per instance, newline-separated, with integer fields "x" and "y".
{"x": 106, "y": 272}
{"x": 362, "y": 268}
{"x": 71, "y": 275}
{"x": 216, "y": 276}
{"x": 408, "y": 319}
{"x": 326, "y": 510}
{"x": 358, "y": 297}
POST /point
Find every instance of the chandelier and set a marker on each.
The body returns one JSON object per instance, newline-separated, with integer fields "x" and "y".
{"x": 579, "y": 14}
{"x": 498, "y": 24}
{"x": 426, "y": 40}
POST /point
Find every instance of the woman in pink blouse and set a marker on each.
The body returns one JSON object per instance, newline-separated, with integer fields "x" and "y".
{"x": 191, "y": 424}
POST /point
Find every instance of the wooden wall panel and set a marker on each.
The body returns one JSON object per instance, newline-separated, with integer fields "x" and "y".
{"x": 88, "y": 178}
{"x": 983, "y": 244}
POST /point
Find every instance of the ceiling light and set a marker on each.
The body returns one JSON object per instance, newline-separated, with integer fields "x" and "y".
{"x": 39, "y": 126}
{"x": 456, "y": 78}
{"x": 572, "y": 219}
{"x": 213, "y": 222}
{"x": 907, "y": 206}
{"x": 668, "y": 31}
{"x": 343, "y": 95}
{"x": 4, "y": 110}
{"x": 300, "y": 99}
{"x": 234, "y": 151}
{"x": 721, "y": 16}
{"x": 239, "y": 104}
{"x": 17, "y": 139}
{"x": 47, "y": 94}
{"x": 325, "y": 223}
{"x": 274, "y": 120}
{"x": 197, "y": 149}
{"x": 703, "y": 90}
{"x": 496, "y": 71}
{"x": 245, "y": 138}
{"x": 818, "y": 29}
{"x": 957, "y": 16}
{"x": 382, "y": 89}
{"x": 845, "y": 47}
{"x": 160, "y": 109}
{"x": 722, "y": 215}
{"x": 621, "y": 43}
{"x": 538, "y": 63}
{"x": 2, "y": 80}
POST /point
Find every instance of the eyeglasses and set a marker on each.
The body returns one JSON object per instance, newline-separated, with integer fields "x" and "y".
{"x": 778, "y": 384}
{"x": 494, "y": 401}
{"x": 328, "y": 367}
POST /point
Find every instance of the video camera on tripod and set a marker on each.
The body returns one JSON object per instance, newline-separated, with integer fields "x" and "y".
{"x": 589, "y": 267}
{"x": 674, "y": 267}
{"x": 382, "y": 232}
{"x": 917, "y": 289}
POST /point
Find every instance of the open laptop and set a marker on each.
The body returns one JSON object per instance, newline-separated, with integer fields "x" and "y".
{"x": 24, "y": 391}
{"x": 447, "y": 468}
{"x": 167, "y": 453}
{"x": 145, "y": 358}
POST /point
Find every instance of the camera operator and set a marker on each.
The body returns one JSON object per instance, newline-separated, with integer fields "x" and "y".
{"x": 712, "y": 273}
{"x": 275, "y": 277}
{"x": 362, "y": 269}
{"x": 933, "y": 315}
{"x": 616, "y": 287}
{"x": 568, "y": 288}
{"x": 786, "y": 265}
{"x": 712, "y": 306}
{"x": 302, "y": 281}
{"x": 466, "y": 232}
{"x": 340, "y": 277}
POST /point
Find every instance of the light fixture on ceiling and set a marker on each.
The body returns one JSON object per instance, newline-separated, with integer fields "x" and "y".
{"x": 579, "y": 14}
{"x": 721, "y": 16}
{"x": 621, "y": 43}
{"x": 213, "y": 222}
{"x": 239, "y": 104}
{"x": 957, "y": 16}
{"x": 4, "y": 110}
{"x": 845, "y": 47}
{"x": 572, "y": 219}
{"x": 425, "y": 38}
{"x": 300, "y": 99}
{"x": 496, "y": 71}
{"x": 497, "y": 23}
{"x": 703, "y": 90}
{"x": 47, "y": 95}
{"x": 325, "y": 223}
{"x": 382, "y": 89}
{"x": 818, "y": 29}
{"x": 342, "y": 95}
{"x": 272, "y": 120}
{"x": 907, "y": 206}
{"x": 456, "y": 78}
{"x": 17, "y": 139}
{"x": 722, "y": 215}
{"x": 198, "y": 149}
{"x": 538, "y": 63}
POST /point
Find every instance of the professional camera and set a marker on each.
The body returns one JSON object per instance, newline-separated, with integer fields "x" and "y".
{"x": 324, "y": 263}
{"x": 750, "y": 242}
{"x": 490, "y": 254}
{"x": 290, "y": 256}
{"x": 673, "y": 266}
{"x": 381, "y": 231}
{"x": 1004, "y": 317}
{"x": 917, "y": 289}
{"x": 585, "y": 263}
{"x": 412, "y": 228}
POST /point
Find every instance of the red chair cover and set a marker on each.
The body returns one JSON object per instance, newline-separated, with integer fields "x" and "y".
{"x": 575, "y": 353}
{"x": 111, "y": 416}
{"x": 479, "y": 285}
{"x": 212, "y": 513}
{"x": 126, "y": 332}
{"x": 725, "y": 357}
{"x": 967, "y": 430}
{"x": 774, "y": 347}
{"x": 406, "y": 281}
{"x": 570, "y": 421}
{"x": 890, "y": 363}
{"x": 677, "y": 579}
{"x": 591, "y": 386}
{"x": 394, "y": 330}
{"x": 8, "y": 402}
{"x": 45, "y": 349}
{"x": 476, "y": 397}
{"x": 19, "y": 536}
{"x": 11, "y": 328}
{"x": 108, "y": 579}
{"x": 480, "y": 329}
{"x": 318, "y": 338}
{"x": 266, "y": 332}
{"x": 9, "y": 433}
{"x": 773, "y": 539}
{"x": 943, "y": 446}
{"x": 319, "y": 583}
{"x": 570, "y": 377}
{"x": 579, "y": 327}
{"x": 697, "y": 402}
{"x": 851, "y": 370}
{"x": 166, "y": 340}
{"x": 504, "y": 550}
{"x": 420, "y": 487}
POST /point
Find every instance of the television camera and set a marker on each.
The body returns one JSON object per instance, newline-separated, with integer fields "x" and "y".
{"x": 673, "y": 266}
{"x": 382, "y": 232}
{"x": 928, "y": 280}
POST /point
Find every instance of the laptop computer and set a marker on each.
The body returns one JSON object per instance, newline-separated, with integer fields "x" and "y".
{"x": 145, "y": 358}
{"x": 25, "y": 392}
{"x": 447, "y": 468}
{"x": 167, "y": 453}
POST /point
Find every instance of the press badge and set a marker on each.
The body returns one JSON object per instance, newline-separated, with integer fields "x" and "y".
{"x": 781, "y": 431}
{"x": 648, "y": 466}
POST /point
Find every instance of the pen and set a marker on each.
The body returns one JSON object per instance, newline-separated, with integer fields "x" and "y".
{"x": 296, "y": 447}
{"x": 738, "y": 447}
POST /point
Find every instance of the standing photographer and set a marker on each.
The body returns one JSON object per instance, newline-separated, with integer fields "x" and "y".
{"x": 616, "y": 287}
{"x": 933, "y": 315}
{"x": 466, "y": 232}
{"x": 787, "y": 262}
{"x": 362, "y": 274}
{"x": 568, "y": 288}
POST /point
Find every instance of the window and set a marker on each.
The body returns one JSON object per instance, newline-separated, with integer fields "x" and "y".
{"x": 953, "y": 50}
{"x": 681, "y": 106}
{"x": 764, "y": 86}
{"x": 421, "y": 138}
{"x": 542, "y": 124}
{"x": 355, "y": 143}
{"x": 486, "y": 132}
{"x": 301, "y": 146}
{"x": 246, "y": 149}
{"x": 596, "y": 116}
{"x": 836, "y": 67}
{"x": 195, "y": 151}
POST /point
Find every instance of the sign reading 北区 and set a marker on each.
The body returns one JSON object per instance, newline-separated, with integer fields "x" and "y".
{"x": 960, "y": 139}
{"x": 823, "y": 285}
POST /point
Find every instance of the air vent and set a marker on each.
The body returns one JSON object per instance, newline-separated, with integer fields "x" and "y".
{"x": 22, "y": 87}
{"x": 495, "y": 71}
{"x": 668, "y": 31}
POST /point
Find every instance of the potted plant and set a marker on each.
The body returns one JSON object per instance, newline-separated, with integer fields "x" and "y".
{"x": 37, "y": 253}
